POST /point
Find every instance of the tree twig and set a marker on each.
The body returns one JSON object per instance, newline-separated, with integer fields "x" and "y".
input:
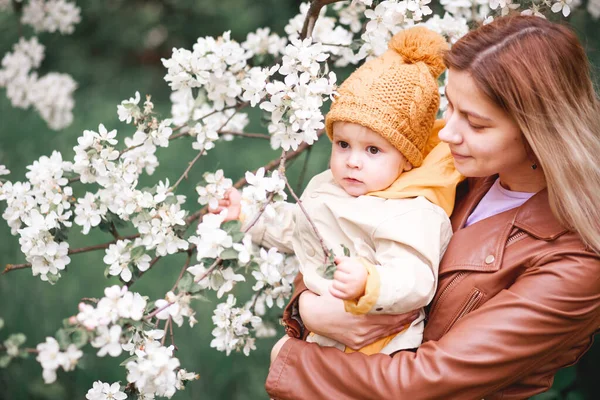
{"x": 210, "y": 269}
{"x": 171, "y": 334}
{"x": 167, "y": 325}
{"x": 312, "y": 16}
{"x": 310, "y": 221}
{"x": 114, "y": 232}
{"x": 185, "y": 267}
{"x": 190, "y": 219}
{"x": 248, "y": 135}
{"x": 268, "y": 167}
{"x": 11, "y": 267}
{"x": 154, "y": 261}
{"x": 158, "y": 310}
{"x": 187, "y": 170}
{"x": 304, "y": 168}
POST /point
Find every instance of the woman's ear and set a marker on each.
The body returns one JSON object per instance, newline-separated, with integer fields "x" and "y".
{"x": 407, "y": 166}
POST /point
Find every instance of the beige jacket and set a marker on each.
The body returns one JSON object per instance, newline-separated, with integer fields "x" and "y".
{"x": 406, "y": 260}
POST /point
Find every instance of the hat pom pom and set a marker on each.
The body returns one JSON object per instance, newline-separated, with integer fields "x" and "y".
{"x": 421, "y": 44}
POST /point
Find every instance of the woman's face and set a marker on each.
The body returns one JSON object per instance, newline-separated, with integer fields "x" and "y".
{"x": 483, "y": 139}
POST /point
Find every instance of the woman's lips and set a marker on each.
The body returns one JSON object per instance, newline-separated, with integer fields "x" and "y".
{"x": 459, "y": 156}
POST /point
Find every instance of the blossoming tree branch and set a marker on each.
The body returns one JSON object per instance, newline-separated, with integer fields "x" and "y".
{"x": 289, "y": 78}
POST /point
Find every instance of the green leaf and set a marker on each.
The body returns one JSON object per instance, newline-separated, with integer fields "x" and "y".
{"x": 1, "y": 323}
{"x": 17, "y": 339}
{"x": 185, "y": 283}
{"x": 137, "y": 252}
{"x": 229, "y": 254}
{"x": 125, "y": 361}
{"x": 170, "y": 200}
{"x": 63, "y": 339}
{"x": 201, "y": 297}
{"x": 60, "y": 235}
{"x": 237, "y": 236}
{"x": 80, "y": 338}
{"x": 53, "y": 278}
{"x": 346, "y": 251}
{"x": 232, "y": 226}
{"x": 4, "y": 361}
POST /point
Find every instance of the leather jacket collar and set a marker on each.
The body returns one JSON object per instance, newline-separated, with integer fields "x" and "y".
{"x": 534, "y": 217}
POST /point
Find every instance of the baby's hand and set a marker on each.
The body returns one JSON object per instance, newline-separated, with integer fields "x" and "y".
{"x": 349, "y": 279}
{"x": 231, "y": 202}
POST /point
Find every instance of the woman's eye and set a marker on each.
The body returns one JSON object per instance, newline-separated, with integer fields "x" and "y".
{"x": 476, "y": 127}
{"x": 373, "y": 150}
{"x": 343, "y": 145}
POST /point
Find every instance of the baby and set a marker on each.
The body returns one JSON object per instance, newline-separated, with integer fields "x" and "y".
{"x": 382, "y": 199}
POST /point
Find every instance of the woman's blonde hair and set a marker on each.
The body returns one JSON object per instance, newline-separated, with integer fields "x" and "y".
{"x": 537, "y": 71}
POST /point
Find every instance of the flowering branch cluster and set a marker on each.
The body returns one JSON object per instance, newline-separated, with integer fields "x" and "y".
{"x": 289, "y": 79}
{"x": 51, "y": 95}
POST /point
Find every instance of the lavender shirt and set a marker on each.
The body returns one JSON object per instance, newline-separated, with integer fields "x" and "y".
{"x": 497, "y": 200}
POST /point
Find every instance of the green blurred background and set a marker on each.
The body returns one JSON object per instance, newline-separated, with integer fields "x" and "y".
{"x": 116, "y": 50}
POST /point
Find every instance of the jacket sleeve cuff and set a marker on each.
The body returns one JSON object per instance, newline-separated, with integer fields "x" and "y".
{"x": 292, "y": 321}
{"x": 365, "y": 303}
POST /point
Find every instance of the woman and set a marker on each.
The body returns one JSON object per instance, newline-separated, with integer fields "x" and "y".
{"x": 519, "y": 286}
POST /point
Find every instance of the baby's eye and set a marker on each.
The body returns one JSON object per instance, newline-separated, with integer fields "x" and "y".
{"x": 343, "y": 145}
{"x": 373, "y": 150}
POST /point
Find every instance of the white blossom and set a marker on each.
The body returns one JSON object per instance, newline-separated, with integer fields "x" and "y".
{"x": 176, "y": 307}
{"x": 51, "y": 15}
{"x": 264, "y": 42}
{"x": 232, "y": 328}
{"x": 129, "y": 110}
{"x": 216, "y": 186}
{"x": 50, "y": 357}
{"x": 211, "y": 239}
{"x": 118, "y": 256}
{"x": 88, "y": 213}
{"x": 108, "y": 340}
{"x": 154, "y": 370}
{"x": 105, "y": 391}
{"x": 562, "y": 5}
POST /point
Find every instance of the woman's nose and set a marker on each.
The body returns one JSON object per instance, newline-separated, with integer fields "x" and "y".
{"x": 450, "y": 132}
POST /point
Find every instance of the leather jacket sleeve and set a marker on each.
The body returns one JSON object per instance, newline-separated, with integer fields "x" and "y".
{"x": 551, "y": 307}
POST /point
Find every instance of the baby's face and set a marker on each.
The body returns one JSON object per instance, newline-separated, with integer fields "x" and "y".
{"x": 362, "y": 161}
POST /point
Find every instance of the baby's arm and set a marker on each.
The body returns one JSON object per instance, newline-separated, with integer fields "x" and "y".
{"x": 276, "y": 234}
{"x": 408, "y": 251}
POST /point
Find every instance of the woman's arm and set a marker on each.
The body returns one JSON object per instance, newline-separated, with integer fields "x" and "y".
{"x": 552, "y": 307}
{"x": 325, "y": 315}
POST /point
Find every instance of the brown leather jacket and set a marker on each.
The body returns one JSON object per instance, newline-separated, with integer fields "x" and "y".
{"x": 518, "y": 299}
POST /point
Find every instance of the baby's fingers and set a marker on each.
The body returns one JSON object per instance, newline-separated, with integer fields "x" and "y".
{"x": 216, "y": 210}
{"x": 338, "y": 291}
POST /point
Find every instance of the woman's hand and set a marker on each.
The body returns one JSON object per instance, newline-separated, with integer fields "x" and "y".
{"x": 325, "y": 315}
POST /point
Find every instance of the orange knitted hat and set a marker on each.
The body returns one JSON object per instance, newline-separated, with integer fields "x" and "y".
{"x": 396, "y": 94}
